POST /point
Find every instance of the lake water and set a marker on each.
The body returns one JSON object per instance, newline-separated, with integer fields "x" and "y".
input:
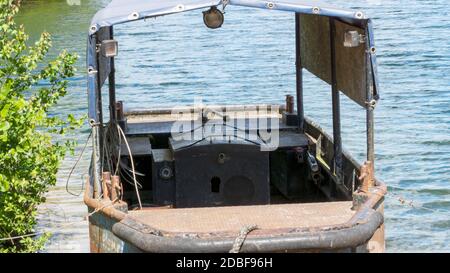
{"x": 174, "y": 59}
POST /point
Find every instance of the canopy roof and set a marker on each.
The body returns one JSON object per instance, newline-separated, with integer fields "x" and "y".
{"x": 356, "y": 68}
{"x": 122, "y": 11}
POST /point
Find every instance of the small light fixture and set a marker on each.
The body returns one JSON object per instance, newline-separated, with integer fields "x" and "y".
{"x": 213, "y": 18}
{"x": 109, "y": 48}
{"x": 353, "y": 39}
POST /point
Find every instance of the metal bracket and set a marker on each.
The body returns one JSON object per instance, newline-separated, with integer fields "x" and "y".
{"x": 371, "y": 104}
{"x": 224, "y": 4}
{"x": 319, "y": 147}
{"x": 366, "y": 176}
{"x": 93, "y": 123}
{"x": 91, "y": 70}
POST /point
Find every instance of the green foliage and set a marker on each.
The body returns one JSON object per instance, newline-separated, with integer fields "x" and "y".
{"x": 29, "y": 158}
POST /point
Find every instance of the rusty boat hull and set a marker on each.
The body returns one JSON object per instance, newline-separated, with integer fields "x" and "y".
{"x": 152, "y": 190}
{"x": 336, "y": 226}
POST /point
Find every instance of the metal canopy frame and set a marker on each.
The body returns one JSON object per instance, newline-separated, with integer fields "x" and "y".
{"x": 117, "y": 12}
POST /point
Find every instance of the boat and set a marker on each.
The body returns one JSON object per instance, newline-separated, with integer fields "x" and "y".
{"x": 236, "y": 178}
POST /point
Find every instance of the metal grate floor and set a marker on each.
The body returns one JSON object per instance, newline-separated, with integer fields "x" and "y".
{"x": 233, "y": 218}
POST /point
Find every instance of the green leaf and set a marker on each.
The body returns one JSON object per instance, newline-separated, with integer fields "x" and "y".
{"x": 4, "y": 185}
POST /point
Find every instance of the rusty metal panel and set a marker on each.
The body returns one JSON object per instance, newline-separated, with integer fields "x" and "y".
{"x": 350, "y": 61}
{"x": 351, "y": 65}
{"x": 377, "y": 243}
{"x": 101, "y": 237}
{"x": 315, "y": 45}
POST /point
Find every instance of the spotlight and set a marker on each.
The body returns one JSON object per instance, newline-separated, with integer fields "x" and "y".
{"x": 213, "y": 18}
{"x": 109, "y": 48}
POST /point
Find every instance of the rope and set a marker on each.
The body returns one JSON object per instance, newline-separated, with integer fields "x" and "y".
{"x": 118, "y": 155}
{"x": 241, "y": 238}
{"x": 100, "y": 208}
{"x": 21, "y": 236}
{"x": 113, "y": 147}
{"x": 406, "y": 202}
{"x": 411, "y": 204}
{"x": 132, "y": 166}
{"x": 105, "y": 153}
{"x": 73, "y": 168}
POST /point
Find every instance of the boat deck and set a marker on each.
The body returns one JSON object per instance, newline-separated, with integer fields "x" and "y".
{"x": 233, "y": 218}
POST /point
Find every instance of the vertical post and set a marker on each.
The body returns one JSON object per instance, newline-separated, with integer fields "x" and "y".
{"x": 115, "y": 186}
{"x": 299, "y": 74}
{"x": 370, "y": 103}
{"x": 99, "y": 85}
{"x": 106, "y": 181}
{"x": 337, "y": 167}
{"x": 370, "y": 135}
{"x": 289, "y": 104}
{"x": 112, "y": 86}
{"x": 97, "y": 124}
{"x": 99, "y": 102}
